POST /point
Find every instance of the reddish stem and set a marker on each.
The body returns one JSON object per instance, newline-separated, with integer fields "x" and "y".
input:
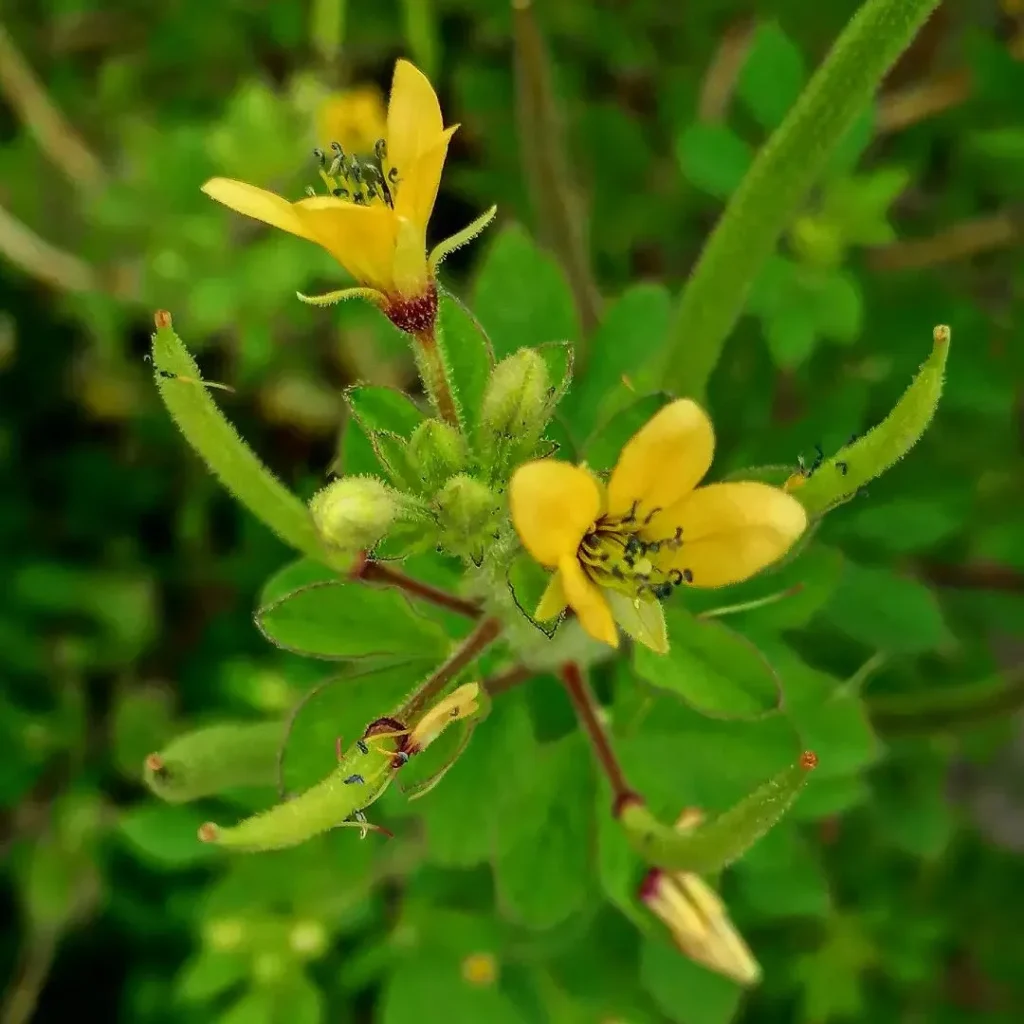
{"x": 507, "y": 680}
{"x": 586, "y": 710}
{"x": 376, "y": 572}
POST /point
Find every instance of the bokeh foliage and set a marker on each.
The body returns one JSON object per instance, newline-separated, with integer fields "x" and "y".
{"x": 130, "y": 577}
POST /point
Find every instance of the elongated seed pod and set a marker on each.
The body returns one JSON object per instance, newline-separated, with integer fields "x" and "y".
{"x": 211, "y": 760}
{"x": 838, "y": 478}
{"x": 722, "y": 840}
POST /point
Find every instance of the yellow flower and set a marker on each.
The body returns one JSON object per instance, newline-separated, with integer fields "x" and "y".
{"x": 459, "y": 704}
{"x": 356, "y": 119}
{"x": 374, "y": 221}
{"x": 618, "y": 550}
{"x": 698, "y": 920}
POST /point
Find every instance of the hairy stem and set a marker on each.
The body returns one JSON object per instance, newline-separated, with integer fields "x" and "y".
{"x": 468, "y": 651}
{"x": 587, "y": 711}
{"x": 376, "y": 572}
{"x": 507, "y": 680}
{"x": 434, "y": 374}
{"x": 777, "y": 183}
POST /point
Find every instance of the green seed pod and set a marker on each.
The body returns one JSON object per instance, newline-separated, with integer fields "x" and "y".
{"x": 516, "y": 407}
{"x": 212, "y": 760}
{"x": 839, "y": 478}
{"x": 353, "y": 513}
{"x": 467, "y": 514}
{"x": 438, "y": 451}
{"x": 722, "y": 840}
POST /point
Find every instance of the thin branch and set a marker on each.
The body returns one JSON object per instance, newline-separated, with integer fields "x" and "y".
{"x": 546, "y": 165}
{"x": 376, "y": 572}
{"x": 587, "y": 711}
{"x": 970, "y": 237}
{"x": 467, "y": 652}
{"x": 22, "y": 995}
{"x": 979, "y": 576}
{"x": 43, "y": 261}
{"x": 902, "y": 108}
{"x": 719, "y": 84}
{"x": 507, "y": 680}
{"x": 40, "y": 115}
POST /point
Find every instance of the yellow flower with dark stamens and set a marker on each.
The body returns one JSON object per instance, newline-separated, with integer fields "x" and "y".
{"x": 697, "y": 919}
{"x": 619, "y": 550}
{"x": 374, "y": 219}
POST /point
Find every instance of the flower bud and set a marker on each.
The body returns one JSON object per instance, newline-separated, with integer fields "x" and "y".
{"x": 467, "y": 511}
{"x": 438, "y": 451}
{"x": 517, "y": 404}
{"x": 353, "y": 513}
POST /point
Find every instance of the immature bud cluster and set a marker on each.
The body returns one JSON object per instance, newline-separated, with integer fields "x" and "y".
{"x": 517, "y": 406}
{"x": 353, "y": 513}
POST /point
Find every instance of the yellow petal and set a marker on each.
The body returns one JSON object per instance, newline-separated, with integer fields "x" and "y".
{"x": 553, "y": 601}
{"x": 731, "y": 531}
{"x": 418, "y": 182}
{"x": 663, "y": 461}
{"x": 588, "y": 602}
{"x": 360, "y": 238}
{"x": 460, "y": 703}
{"x": 553, "y": 504}
{"x": 644, "y": 621}
{"x": 414, "y": 117}
{"x": 409, "y": 269}
{"x": 260, "y": 204}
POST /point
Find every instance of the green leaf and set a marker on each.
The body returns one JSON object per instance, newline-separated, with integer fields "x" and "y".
{"x": 684, "y": 991}
{"x": 349, "y": 620}
{"x": 468, "y": 357}
{"x": 839, "y": 306}
{"x": 255, "y": 1007}
{"x": 906, "y": 525}
{"x": 782, "y": 876}
{"x": 713, "y": 158}
{"x": 887, "y": 612}
{"x": 545, "y": 875}
{"x": 339, "y": 708}
{"x": 380, "y": 408}
{"x": 521, "y": 295}
{"x": 210, "y": 973}
{"x": 635, "y": 322}
{"x": 430, "y": 989}
{"x": 165, "y": 835}
{"x": 715, "y": 670}
{"x": 294, "y": 576}
{"x": 772, "y": 77}
{"x": 223, "y": 450}
{"x": 851, "y": 146}
{"x": 790, "y": 335}
{"x": 604, "y": 445}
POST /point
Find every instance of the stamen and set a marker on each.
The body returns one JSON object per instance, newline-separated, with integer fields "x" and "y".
{"x": 688, "y": 575}
{"x": 380, "y": 150}
{"x": 650, "y": 515}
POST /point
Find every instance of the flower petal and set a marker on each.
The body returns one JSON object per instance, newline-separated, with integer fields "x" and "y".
{"x": 587, "y": 600}
{"x": 414, "y": 117}
{"x": 360, "y": 238}
{"x": 418, "y": 183}
{"x": 731, "y": 531}
{"x": 553, "y": 601}
{"x": 553, "y": 504}
{"x": 644, "y": 621}
{"x": 260, "y": 204}
{"x": 663, "y": 461}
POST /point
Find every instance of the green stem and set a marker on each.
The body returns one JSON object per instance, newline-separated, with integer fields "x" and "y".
{"x": 430, "y": 363}
{"x": 783, "y": 172}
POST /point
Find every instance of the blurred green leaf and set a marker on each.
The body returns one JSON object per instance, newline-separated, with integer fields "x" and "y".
{"x": 378, "y": 408}
{"x": 713, "y": 158}
{"x": 165, "y": 835}
{"x": 468, "y": 355}
{"x": 772, "y": 77}
{"x": 210, "y": 973}
{"x": 685, "y": 992}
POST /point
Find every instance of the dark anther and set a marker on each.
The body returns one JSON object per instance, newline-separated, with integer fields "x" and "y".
{"x": 340, "y": 193}
{"x": 363, "y": 748}
{"x": 399, "y": 759}
{"x": 650, "y": 515}
{"x": 630, "y": 561}
{"x": 617, "y": 573}
{"x": 688, "y": 575}
{"x": 630, "y": 516}
{"x": 358, "y": 198}
{"x": 320, "y": 155}
{"x": 355, "y": 172}
{"x": 677, "y": 538}
{"x": 336, "y": 146}
{"x": 590, "y": 539}
{"x": 675, "y": 577}
{"x": 353, "y": 780}
{"x": 662, "y": 590}
{"x": 393, "y": 175}
{"x": 652, "y": 547}
{"x": 603, "y": 556}
{"x": 634, "y": 546}
{"x": 842, "y": 467}
{"x": 337, "y": 166}
{"x": 380, "y": 150}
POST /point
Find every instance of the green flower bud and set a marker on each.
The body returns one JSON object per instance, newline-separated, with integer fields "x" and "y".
{"x": 438, "y": 451}
{"x": 467, "y": 513}
{"x": 516, "y": 407}
{"x": 353, "y": 513}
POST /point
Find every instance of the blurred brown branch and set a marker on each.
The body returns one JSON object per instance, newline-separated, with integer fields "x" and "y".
{"x": 40, "y": 115}
{"x": 724, "y": 70}
{"x": 24, "y": 248}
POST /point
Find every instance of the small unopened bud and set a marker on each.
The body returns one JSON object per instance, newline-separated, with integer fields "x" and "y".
{"x": 438, "y": 451}
{"x": 355, "y": 512}
{"x": 517, "y": 402}
{"x": 467, "y": 511}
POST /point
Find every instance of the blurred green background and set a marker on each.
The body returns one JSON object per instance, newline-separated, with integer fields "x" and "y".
{"x": 129, "y": 577}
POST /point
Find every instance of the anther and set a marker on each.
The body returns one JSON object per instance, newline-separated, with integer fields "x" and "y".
{"x": 363, "y": 748}
{"x": 336, "y": 146}
{"x": 320, "y": 155}
{"x": 380, "y": 150}
{"x": 662, "y": 590}
{"x": 630, "y": 516}
{"x": 339, "y": 193}
{"x": 842, "y": 467}
{"x": 675, "y": 577}
{"x": 688, "y": 575}
{"x": 353, "y": 780}
{"x": 650, "y": 515}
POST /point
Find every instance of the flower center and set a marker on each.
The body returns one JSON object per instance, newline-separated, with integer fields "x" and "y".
{"x": 360, "y": 179}
{"x": 614, "y": 556}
